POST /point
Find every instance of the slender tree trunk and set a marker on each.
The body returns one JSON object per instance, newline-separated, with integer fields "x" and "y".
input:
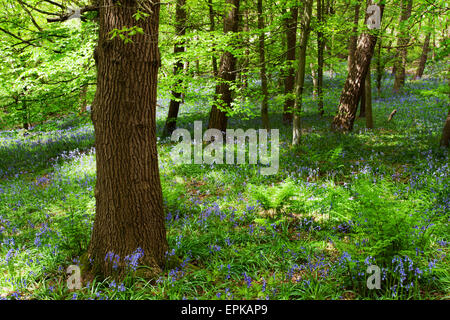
{"x": 129, "y": 206}
{"x": 262, "y": 61}
{"x": 247, "y": 53}
{"x": 197, "y": 61}
{"x": 186, "y": 73}
{"x": 423, "y": 57}
{"x": 380, "y": 66}
{"x": 368, "y": 101}
{"x": 353, "y": 38}
{"x": 320, "y": 49}
{"x": 402, "y": 42}
{"x": 227, "y": 73}
{"x": 25, "y": 115}
{"x": 345, "y": 117}
{"x": 174, "y": 106}
{"x": 289, "y": 81}
{"x": 212, "y": 28}
{"x": 300, "y": 79}
{"x": 82, "y": 100}
{"x": 314, "y": 80}
{"x": 362, "y": 100}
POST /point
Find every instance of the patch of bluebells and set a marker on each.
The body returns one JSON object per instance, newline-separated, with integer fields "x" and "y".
{"x": 132, "y": 260}
{"x": 247, "y": 279}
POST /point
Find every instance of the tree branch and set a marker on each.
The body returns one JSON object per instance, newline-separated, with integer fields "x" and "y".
{"x": 67, "y": 15}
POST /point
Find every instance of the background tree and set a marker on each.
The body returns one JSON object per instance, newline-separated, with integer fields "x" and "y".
{"x": 300, "y": 78}
{"x": 402, "y": 43}
{"x": 290, "y": 24}
{"x": 262, "y": 61}
{"x": 227, "y": 73}
{"x": 174, "y": 106}
{"x": 345, "y": 117}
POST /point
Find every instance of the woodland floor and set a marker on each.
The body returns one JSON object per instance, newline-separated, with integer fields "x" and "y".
{"x": 337, "y": 204}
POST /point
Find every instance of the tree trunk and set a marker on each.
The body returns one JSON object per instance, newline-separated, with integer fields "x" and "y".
{"x": 129, "y": 205}
{"x": 262, "y": 61}
{"x": 368, "y": 101}
{"x": 402, "y": 42}
{"x": 247, "y": 53}
{"x": 82, "y": 100}
{"x": 362, "y": 100}
{"x": 423, "y": 57}
{"x": 353, "y": 38}
{"x": 320, "y": 48}
{"x": 345, "y": 117}
{"x": 227, "y": 73}
{"x": 445, "y": 139}
{"x": 197, "y": 61}
{"x": 212, "y": 28}
{"x": 314, "y": 80}
{"x": 174, "y": 106}
{"x": 300, "y": 79}
{"x": 289, "y": 80}
{"x": 25, "y": 115}
{"x": 380, "y": 67}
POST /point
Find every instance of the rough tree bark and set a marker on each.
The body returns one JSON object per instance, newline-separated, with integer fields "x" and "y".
{"x": 289, "y": 81}
{"x": 300, "y": 78}
{"x": 353, "y": 38}
{"x": 227, "y": 73}
{"x": 345, "y": 117}
{"x": 402, "y": 51}
{"x": 423, "y": 57}
{"x": 445, "y": 139}
{"x": 262, "y": 61}
{"x": 174, "y": 106}
{"x": 129, "y": 208}
{"x": 368, "y": 100}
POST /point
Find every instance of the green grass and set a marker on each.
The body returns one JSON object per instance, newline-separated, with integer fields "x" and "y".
{"x": 337, "y": 204}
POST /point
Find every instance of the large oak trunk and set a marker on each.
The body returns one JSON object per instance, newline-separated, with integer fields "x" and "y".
{"x": 129, "y": 208}
{"x": 218, "y": 117}
{"x": 345, "y": 117}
